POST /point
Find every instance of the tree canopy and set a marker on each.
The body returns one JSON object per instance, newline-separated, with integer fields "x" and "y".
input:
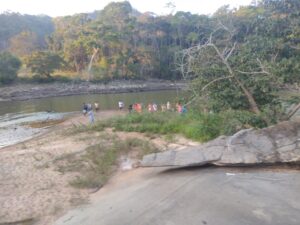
{"x": 43, "y": 63}
{"x": 9, "y": 66}
{"x": 259, "y": 48}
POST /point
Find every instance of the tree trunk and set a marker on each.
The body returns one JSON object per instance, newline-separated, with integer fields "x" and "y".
{"x": 253, "y": 106}
{"x": 91, "y": 61}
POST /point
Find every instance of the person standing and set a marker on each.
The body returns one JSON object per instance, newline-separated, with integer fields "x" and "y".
{"x": 130, "y": 108}
{"x": 85, "y": 108}
{"x": 150, "y": 107}
{"x": 96, "y": 104}
{"x": 91, "y": 116}
{"x": 154, "y": 105}
{"x": 121, "y": 105}
{"x": 178, "y": 107}
{"x": 89, "y": 107}
{"x": 168, "y": 106}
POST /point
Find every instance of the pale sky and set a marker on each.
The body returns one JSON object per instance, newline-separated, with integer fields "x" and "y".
{"x": 68, "y": 7}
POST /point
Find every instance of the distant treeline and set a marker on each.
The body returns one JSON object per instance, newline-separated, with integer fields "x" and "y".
{"x": 120, "y": 42}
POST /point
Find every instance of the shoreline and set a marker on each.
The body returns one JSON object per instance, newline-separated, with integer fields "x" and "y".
{"x": 37, "y": 173}
{"x": 33, "y": 186}
{"x": 21, "y": 92}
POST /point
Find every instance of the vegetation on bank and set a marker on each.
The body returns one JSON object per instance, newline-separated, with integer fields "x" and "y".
{"x": 99, "y": 161}
{"x": 193, "y": 125}
{"x": 9, "y": 66}
{"x": 235, "y": 59}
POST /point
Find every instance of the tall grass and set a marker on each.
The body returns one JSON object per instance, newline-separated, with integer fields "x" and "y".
{"x": 197, "y": 126}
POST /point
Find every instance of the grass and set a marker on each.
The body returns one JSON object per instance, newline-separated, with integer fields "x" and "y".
{"x": 196, "y": 126}
{"x": 201, "y": 128}
{"x": 98, "y": 162}
{"x": 76, "y": 129}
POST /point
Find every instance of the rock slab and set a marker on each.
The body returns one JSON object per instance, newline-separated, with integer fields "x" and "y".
{"x": 276, "y": 144}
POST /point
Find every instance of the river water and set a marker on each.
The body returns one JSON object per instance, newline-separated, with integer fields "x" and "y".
{"x": 14, "y": 114}
{"x": 74, "y": 103}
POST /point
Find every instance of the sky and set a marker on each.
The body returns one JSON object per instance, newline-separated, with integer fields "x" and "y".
{"x": 69, "y": 7}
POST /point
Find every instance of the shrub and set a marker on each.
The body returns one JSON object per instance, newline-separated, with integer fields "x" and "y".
{"x": 203, "y": 127}
{"x": 234, "y": 120}
{"x": 9, "y": 66}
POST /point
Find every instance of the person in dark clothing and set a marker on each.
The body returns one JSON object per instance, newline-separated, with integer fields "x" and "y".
{"x": 85, "y": 108}
{"x": 130, "y": 108}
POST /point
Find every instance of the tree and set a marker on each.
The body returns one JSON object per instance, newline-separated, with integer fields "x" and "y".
{"x": 227, "y": 74}
{"x": 9, "y": 66}
{"x": 23, "y": 43}
{"x": 144, "y": 45}
{"x": 43, "y": 63}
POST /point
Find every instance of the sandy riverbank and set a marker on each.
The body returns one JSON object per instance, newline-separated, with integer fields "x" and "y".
{"x": 33, "y": 189}
{"x": 30, "y": 91}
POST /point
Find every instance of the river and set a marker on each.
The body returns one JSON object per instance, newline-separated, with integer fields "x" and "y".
{"x": 74, "y": 103}
{"x": 14, "y": 114}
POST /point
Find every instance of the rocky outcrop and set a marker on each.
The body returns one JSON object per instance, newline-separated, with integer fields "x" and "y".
{"x": 276, "y": 144}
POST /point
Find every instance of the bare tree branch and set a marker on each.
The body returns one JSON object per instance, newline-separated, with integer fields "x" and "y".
{"x": 231, "y": 51}
{"x": 253, "y": 72}
{"x": 214, "y": 81}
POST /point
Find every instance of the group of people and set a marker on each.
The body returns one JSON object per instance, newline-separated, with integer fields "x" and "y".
{"x": 153, "y": 107}
{"x": 136, "y": 107}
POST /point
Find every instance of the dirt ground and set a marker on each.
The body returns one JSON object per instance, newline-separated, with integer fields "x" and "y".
{"x": 32, "y": 188}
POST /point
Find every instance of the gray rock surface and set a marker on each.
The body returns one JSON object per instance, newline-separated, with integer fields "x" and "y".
{"x": 278, "y": 143}
{"x": 194, "y": 196}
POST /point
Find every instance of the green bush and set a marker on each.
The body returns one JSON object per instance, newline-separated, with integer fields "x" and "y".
{"x": 9, "y": 66}
{"x": 206, "y": 127}
{"x": 234, "y": 120}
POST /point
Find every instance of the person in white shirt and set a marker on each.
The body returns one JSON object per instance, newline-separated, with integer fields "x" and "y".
{"x": 121, "y": 105}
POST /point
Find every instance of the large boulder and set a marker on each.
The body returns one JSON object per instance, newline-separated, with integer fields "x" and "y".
{"x": 278, "y": 143}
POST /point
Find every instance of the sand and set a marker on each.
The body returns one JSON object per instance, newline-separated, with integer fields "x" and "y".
{"x": 32, "y": 188}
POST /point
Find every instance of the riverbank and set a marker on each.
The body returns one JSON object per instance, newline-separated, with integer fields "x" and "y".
{"x": 33, "y": 91}
{"x": 37, "y": 176}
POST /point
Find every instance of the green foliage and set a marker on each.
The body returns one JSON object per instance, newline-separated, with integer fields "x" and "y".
{"x": 203, "y": 127}
{"x": 120, "y": 43}
{"x": 194, "y": 125}
{"x": 9, "y": 66}
{"x": 235, "y": 120}
{"x": 43, "y": 63}
{"x": 243, "y": 64}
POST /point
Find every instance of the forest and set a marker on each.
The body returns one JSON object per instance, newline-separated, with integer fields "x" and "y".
{"x": 119, "y": 42}
{"x": 234, "y": 59}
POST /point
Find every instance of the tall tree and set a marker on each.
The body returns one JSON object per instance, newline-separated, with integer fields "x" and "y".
{"x": 43, "y": 63}
{"x": 9, "y": 66}
{"x": 226, "y": 74}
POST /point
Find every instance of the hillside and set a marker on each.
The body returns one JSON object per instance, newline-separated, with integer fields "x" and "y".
{"x": 120, "y": 42}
